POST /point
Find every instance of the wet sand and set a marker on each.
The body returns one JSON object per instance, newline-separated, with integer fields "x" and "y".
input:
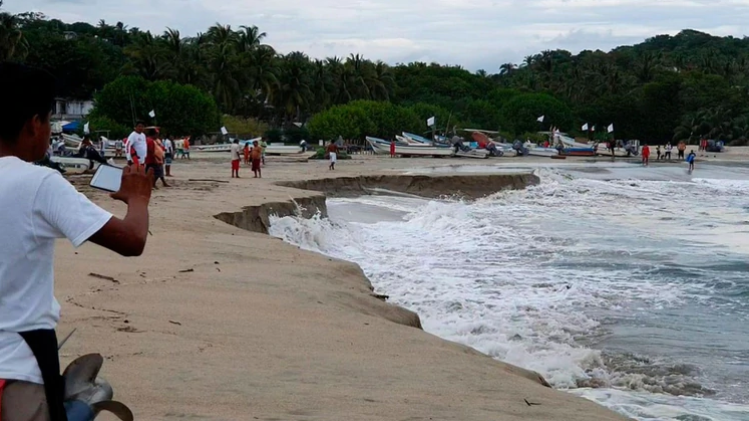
{"x": 214, "y": 322}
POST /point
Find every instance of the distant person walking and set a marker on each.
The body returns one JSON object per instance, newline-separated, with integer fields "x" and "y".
{"x": 118, "y": 144}
{"x": 186, "y": 145}
{"x": 136, "y": 146}
{"x": 667, "y": 154}
{"x": 690, "y": 160}
{"x": 333, "y": 155}
{"x": 658, "y": 153}
{"x": 392, "y": 148}
{"x": 235, "y": 159}
{"x": 179, "y": 145}
{"x": 168, "y": 155}
{"x": 256, "y": 155}
{"x": 646, "y": 155}
{"x": 681, "y": 147}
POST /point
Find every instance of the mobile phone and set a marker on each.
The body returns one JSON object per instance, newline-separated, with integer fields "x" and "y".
{"x": 107, "y": 178}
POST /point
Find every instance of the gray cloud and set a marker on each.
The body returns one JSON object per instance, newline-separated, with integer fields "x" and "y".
{"x": 472, "y": 33}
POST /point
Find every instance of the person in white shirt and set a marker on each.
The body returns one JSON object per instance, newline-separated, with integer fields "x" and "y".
{"x": 168, "y": 155}
{"x": 235, "y": 159}
{"x": 38, "y": 206}
{"x": 137, "y": 148}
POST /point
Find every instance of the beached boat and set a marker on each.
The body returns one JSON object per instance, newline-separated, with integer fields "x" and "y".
{"x": 271, "y": 149}
{"x": 405, "y": 141}
{"x": 74, "y": 165}
{"x": 535, "y": 150}
{"x": 381, "y": 146}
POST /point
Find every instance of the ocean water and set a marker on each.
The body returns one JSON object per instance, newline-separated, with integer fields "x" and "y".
{"x": 624, "y": 285}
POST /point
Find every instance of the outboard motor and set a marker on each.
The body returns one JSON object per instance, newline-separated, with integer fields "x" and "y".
{"x": 631, "y": 149}
{"x": 459, "y": 145}
{"x": 521, "y": 150}
{"x": 494, "y": 150}
{"x": 87, "y": 394}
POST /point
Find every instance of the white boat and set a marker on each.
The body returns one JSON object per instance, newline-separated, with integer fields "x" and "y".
{"x": 271, "y": 149}
{"x": 473, "y": 153}
{"x": 410, "y": 142}
{"x": 381, "y": 146}
{"x": 535, "y": 150}
{"x": 74, "y": 165}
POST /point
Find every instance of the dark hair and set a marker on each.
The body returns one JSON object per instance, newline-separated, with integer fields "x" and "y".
{"x": 26, "y": 93}
{"x": 236, "y": 140}
{"x": 139, "y": 123}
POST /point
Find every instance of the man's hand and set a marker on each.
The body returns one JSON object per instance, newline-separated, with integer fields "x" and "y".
{"x": 137, "y": 184}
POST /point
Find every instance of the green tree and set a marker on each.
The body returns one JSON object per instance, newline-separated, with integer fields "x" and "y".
{"x": 520, "y": 114}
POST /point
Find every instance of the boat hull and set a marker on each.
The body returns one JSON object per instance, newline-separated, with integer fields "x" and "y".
{"x": 382, "y": 147}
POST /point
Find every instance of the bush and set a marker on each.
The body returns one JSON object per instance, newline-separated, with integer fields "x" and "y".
{"x": 321, "y": 153}
{"x": 357, "y": 119}
{"x": 245, "y": 128}
{"x": 520, "y": 114}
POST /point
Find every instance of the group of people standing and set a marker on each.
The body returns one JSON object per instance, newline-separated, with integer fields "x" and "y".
{"x": 666, "y": 154}
{"x": 151, "y": 150}
{"x": 253, "y": 155}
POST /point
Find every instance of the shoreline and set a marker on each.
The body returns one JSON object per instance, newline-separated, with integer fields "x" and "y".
{"x": 215, "y": 321}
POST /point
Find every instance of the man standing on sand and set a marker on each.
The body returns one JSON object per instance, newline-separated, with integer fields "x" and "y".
{"x": 235, "y": 160}
{"x": 646, "y": 155}
{"x": 39, "y": 206}
{"x": 658, "y": 153}
{"x": 168, "y": 155}
{"x": 333, "y": 154}
{"x": 392, "y": 148}
{"x": 667, "y": 154}
{"x": 155, "y": 159}
{"x": 263, "y": 146}
{"x": 137, "y": 150}
{"x": 118, "y": 148}
{"x": 681, "y": 147}
{"x": 186, "y": 146}
{"x": 256, "y": 156}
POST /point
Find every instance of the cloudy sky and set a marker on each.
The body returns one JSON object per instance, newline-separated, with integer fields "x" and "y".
{"x": 477, "y": 34}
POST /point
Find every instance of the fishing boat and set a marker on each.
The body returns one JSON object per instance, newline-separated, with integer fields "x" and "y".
{"x": 405, "y": 141}
{"x": 271, "y": 149}
{"x": 535, "y": 150}
{"x": 571, "y": 147}
{"x": 381, "y": 146}
{"x": 74, "y": 165}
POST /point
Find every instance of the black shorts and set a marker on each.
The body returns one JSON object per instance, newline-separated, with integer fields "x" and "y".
{"x": 158, "y": 170}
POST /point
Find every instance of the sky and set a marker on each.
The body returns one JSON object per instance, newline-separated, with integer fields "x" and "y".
{"x": 476, "y": 34}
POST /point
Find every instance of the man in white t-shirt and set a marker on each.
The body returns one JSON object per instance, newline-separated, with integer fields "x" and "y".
{"x": 235, "y": 159}
{"x": 38, "y": 206}
{"x": 137, "y": 148}
{"x": 168, "y": 155}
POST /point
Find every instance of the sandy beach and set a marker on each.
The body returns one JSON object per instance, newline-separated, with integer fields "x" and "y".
{"x": 215, "y": 322}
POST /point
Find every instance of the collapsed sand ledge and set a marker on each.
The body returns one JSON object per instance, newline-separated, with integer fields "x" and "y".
{"x": 257, "y": 218}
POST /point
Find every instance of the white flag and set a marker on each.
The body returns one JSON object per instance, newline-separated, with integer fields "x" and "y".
{"x": 541, "y": 119}
{"x": 85, "y": 129}
{"x": 430, "y": 121}
{"x": 152, "y": 114}
{"x": 585, "y": 127}
{"x": 611, "y": 128}
{"x": 224, "y": 131}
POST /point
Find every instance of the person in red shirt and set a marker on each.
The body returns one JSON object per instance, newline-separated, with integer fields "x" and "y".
{"x": 645, "y": 155}
{"x": 152, "y": 161}
{"x": 392, "y": 149}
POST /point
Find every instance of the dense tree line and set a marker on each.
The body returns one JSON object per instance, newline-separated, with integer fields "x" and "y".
{"x": 668, "y": 87}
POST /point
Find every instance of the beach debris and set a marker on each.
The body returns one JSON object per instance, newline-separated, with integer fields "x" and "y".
{"x": 175, "y": 323}
{"x": 65, "y": 339}
{"x": 381, "y": 297}
{"x": 105, "y": 277}
{"x": 215, "y": 263}
{"x": 530, "y": 403}
{"x": 187, "y": 270}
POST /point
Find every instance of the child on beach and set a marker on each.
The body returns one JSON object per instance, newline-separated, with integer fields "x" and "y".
{"x": 690, "y": 160}
{"x": 392, "y": 148}
{"x": 246, "y": 153}
{"x": 235, "y": 159}
{"x": 263, "y": 146}
{"x": 658, "y": 153}
{"x": 256, "y": 155}
{"x": 667, "y": 154}
{"x": 646, "y": 155}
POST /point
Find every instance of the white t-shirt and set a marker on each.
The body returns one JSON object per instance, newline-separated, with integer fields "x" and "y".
{"x": 137, "y": 141}
{"x": 168, "y": 147}
{"x": 37, "y": 206}
{"x": 234, "y": 151}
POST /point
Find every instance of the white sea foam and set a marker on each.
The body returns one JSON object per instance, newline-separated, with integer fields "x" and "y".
{"x": 530, "y": 277}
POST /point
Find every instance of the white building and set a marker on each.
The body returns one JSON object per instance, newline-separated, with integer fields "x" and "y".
{"x": 71, "y": 109}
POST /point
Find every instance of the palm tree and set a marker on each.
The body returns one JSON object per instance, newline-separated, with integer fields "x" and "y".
{"x": 382, "y": 81}
{"x": 507, "y": 69}
{"x": 147, "y": 57}
{"x": 249, "y": 38}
